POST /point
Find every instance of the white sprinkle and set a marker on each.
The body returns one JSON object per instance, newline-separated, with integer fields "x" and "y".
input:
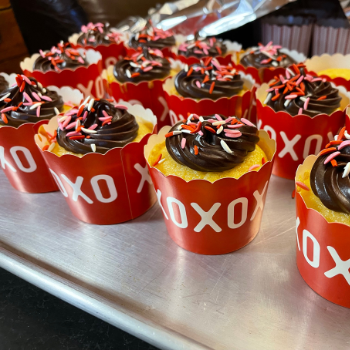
{"x": 40, "y": 85}
{"x": 161, "y": 161}
{"x": 184, "y": 131}
{"x": 56, "y": 110}
{"x": 290, "y": 72}
{"x": 346, "y": 170}
{"x": 93, "y": 147}
{"x": 225, "y": 147}
{"x": 336, "y": 137}
{"x": 85, "y": 102}
{"x": 89, "y": 131}
{"x": 77, "y": 124}
{"x": 35, "y": 105}
{"x": 40, "y": 95}
{"x": 44, "y": 90}
{"x": 128, "y": 74}
{"x": 6, "y": 96}
{"x": 268, "y": 98}
{"x": 51, "y": 147}
{"x": 286, "y": 104}
{"x": 62, "y": 119}
{"x": 220, "y": 129}
{"x": 139, "y": 57}
{"x": 347, "y": 135}
{"x": 201, "y": 119}
{"x": 176, "y": 132}
{"x": 186, "y": 68}
{"x": 274, "y": 63}
{"x": 221, "y": 122}
{"x": 132, "y": 64}
{"x": 303, "y": 98}
{"x": 91, "y": 103}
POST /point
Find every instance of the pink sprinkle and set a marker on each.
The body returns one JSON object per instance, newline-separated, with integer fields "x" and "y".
{"x": 291, "y": 97}
{"x": 343, "y": 144}
{"x": 65, "y": 123}
{"x": 147, "y": 69}
{"x": 331, "y": 156}
{"x": 254, "y": 167}
{"x": 104, "y": 118}
{"x": 233, "y": 136}
{"x": 46, "y": 98}
{"x": 26, "y": 79}
{"x": 198, "y": 84}
{"x": 269, "y": 90}
{"x": 7, "y": 109}
{"x": 276, "y": 91}
{"x": 26, "y": 96}
{"x": 247, "y": 122}
{"x": 218, "y": 117}
{"x": 300, "y": 111}
{"x": 27, "y": 104}
{"x": 316, "y": 79}
{"x": 300, "y": 80}
{"x": 282, "y": 79}
{"x": 228, "y": 119}
{"x": 195, "y": 116}
{"x": 80, "y": 60}
{"x": 73, "y": 133}
{"x": 287, "y": 75}
{"x": 120, "y": 106}
{"x": 235, "y": 126}
{"x": 71, "y": 125}
{"x": 92, "y": 127}
{"x": 233, "y": 132}
{"x": 60, "y": 126}
{"x": 200, "y": 133}
{"x": 36, "y": 96}
{"x": 183, "y": 143}
{"x": 85, "y": 115}
{"x": 38, "y": 111}
{"x": 265, "y": 61}
{"x": 306, "y": 103}
{"x": 215, "y": 64}
{"x": 42, "y": 53}
{"x": 72, "y": 111}
{"x": 106, "y": 115}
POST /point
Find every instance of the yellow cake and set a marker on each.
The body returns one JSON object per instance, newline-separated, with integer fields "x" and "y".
{"x": 336, "y": 72}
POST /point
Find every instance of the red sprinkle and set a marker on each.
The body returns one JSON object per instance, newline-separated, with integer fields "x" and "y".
{"x": 321, "y": 98}
{"x": 327, "y": 150}
{"x": 212, "y": 87}
{"x": 169, "y": 134}
{"x": 302, "y": 185}
{"x": 334, "y": 163}
{"x": 45, "y": 148}
{"x": 4, "y": 118}
{"x": 293, "y": 194}
{"x": 210, "y": 129}
{"x": 195, "y": 149}
{"x": 263, "y": 161}
{"x": 77, "y": 137}
{"x": 190, "y": 71}
{"x": 158, "y": 160}
{"x": 341, "y": 133}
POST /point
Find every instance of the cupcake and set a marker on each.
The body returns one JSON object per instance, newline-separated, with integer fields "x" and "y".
{"x": 3, "y": 84}
{"x": 266, "y": 61}
{"x": 226, "y": 158}
{"x": 191, "y": 51}
{"x": 24, "y": 106}
{"x": 209, "y": 87}
{"x": 139, "y": 78}
{"x": 64, "y": 65}
{"x": 335, "y": 68}
{"x": 152, "y": 37}
{"x": 323, "y": 220}
{"x": 103, "y": 38}
{"x": 100, "y": 144}
{"x": 301, "y": 112}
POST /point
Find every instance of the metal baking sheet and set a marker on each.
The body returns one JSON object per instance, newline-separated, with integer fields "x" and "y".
{"x": 133, "y": 276}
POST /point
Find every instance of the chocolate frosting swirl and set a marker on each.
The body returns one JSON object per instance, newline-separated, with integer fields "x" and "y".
{"x": 301, "y": 93}
{"x": 3, "y": 83}
{"x": 97, "y": 126}
{"x": 145, "y": 65}
{"x": 99, "y": 33}
{"x": 61, "y": 57}
{"x": 152, "y": 37}
{"x": 208, "y": 80}
{"x": 331, "y": 182}
{"x": 266, "y": 56}
{"x": 28, "y": 102}
{"x": 212, "y": 143}
{"x": 202, "y": 47}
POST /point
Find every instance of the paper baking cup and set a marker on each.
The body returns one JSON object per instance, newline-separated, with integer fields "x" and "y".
{"x": 106, "y": 188}
{"x": 20, "y": 158}
{"x": 323, "y": 250}
{"x": 239, "y": 106}
{"x": 212, "y": 218}
{"x": 316, "y": 64}
{"x": 232, "y": 49}
{"x": 110, "y": 53}
{"x": 298, "y": 136}
{"x": 264, "y": 75}
{"x": 86, "y": 79}
{"x": 149, "y": 94}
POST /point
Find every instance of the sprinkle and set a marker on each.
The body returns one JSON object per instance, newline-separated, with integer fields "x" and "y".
{"x": 91, "y": 103}
{"x": 343, "y": 144}
{"x": 219, "y": 123}
{"x": 77, "y": 137}
{"x": 169, "y": 134}
{"x": 209, "y": 129}
{"x": 306, "y": 103}
{"x": 286, "y": 104}
{"x": 120, "y": 106}
{"x": 212, "y": 87}
{"x": 183, "y": 143}
{"x": 321, "y": 98}
{"x": 4, "y": 118}
{"x": 35, "y": 105}
{"x": 334, "y": 163}
{"x": 26, "y": 96}
{"x": 254, "y": 167}
{"x": 35, "y": 95}
{"x": 38, "y": 111}
{"x": 267, "y": 100}
{"x": 346, "y": 170}
{"x": 217, "y": 116}
{"x": 341, "y": 133}
{"x": 93, "y": 147}
{"x": 327, "y": 150}
{"x": 263, "y": 160}
{"x": 331, "y": 156}
{"x": 347, "y": 136}
{"x": 65, "y": 123}
{"x": 89, "y": 131}
{"x": 198, "y": 84}
{"x": 220, "y": 129}
{"x": 225, "y": 147}
{"x": 300, "y": 111}
{"x": 195, "y": 150}
{"x": 302, "y": 185}
{"x": 157, "y": 161}
{"x": 236, "y": 126}
{"x": 292, "y": 96}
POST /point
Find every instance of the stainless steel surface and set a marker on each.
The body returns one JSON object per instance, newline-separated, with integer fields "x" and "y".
{"x": 133, "y": 276}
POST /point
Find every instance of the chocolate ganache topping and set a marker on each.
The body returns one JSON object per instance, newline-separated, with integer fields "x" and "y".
{"x": 96, "y": 126}
{"x": 266, "y": 56}
{"x": 208, "y": 80}
{"x": 329, "y": 177}
{"x": 202, "y": 47}
{"x": 144, "y": 65}
{"x": 28, "y": 102}
{"x": 211, "y": 143}
{"x": 301, "y": 93}
{"x": 58, "y": 58}
{"x": 3, "y": 84}
{"x": 152, "y": 37}
{"x": 99, "y": 33}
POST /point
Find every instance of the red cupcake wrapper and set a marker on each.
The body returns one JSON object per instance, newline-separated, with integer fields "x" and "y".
{"x": 323, "y": 252}
{"x": 148, "y": 94}
{"x": 297, "y": 136}
{"x": 106, "y": 188}
{"x": 86, "y": 79}
{"x": 223, "y": 220}
{"x": 239, "y": 106}
{"x": 20, "y": 158}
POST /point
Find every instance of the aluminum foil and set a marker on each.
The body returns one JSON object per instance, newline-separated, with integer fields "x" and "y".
{"x": 208, "y": 17}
